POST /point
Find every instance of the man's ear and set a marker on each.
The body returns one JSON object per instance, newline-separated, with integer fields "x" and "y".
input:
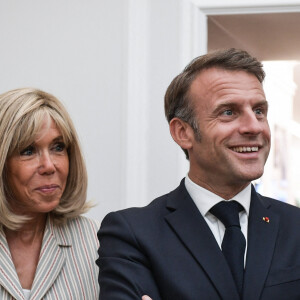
{"x": 182, "y": 133}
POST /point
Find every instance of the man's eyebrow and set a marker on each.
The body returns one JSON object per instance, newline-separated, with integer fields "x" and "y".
{"x": 227, "y": 104}
{"x": 233, "y": 104}
{"x": 263, "y": 102}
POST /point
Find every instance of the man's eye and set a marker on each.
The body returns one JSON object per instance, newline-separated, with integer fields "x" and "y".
{"x": 258, "y": 111}
{"x": 59, "y": 147}
{"x": 27, "y": 151}
{"x": 227, "y": 112}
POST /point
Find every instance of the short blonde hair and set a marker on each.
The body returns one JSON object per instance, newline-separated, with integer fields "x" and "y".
{"x": 22, "y": 112}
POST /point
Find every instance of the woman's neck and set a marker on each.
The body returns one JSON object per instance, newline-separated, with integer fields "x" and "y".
{"x": 30, "y": 232}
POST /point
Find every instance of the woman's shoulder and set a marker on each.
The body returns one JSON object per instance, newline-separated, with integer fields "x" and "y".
{"x": 81, "y": 227}
{"x": 84, "y": 223}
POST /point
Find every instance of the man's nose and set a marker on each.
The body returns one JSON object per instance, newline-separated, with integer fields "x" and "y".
{"x": 251, "y": 124}
{"x": 46, "y": 164}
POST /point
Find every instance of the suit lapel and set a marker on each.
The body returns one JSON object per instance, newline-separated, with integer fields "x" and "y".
{"x": 261, "y": 243}
{"x": 52, "y": 259}
{"x": 194, "y": 233}
{"x": 9, "y": 279}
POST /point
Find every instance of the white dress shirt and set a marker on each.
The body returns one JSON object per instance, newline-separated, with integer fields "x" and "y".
{"x": 205, "y": 200}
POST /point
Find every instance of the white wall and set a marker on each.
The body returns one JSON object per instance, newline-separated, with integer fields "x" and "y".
{"x": 161, "y": 166}
{"x": 81, "y": 52}
{"x": 76, "y": 50}
{"x": 110, "y": 62}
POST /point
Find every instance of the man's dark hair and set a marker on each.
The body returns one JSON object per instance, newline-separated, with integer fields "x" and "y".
{"x": 177, "y": 102}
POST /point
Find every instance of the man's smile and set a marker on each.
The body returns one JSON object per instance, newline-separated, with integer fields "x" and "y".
{"x": 245, "y": 149}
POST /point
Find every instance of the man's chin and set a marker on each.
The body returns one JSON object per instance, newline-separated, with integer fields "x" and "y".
{"x": 249, "y": 174}
{"x": 252, "y": 176}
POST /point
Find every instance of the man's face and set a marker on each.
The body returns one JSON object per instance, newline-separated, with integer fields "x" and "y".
{"x": 231, "y": 111}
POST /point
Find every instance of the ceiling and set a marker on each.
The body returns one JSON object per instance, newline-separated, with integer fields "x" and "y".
{"x": 272, "y": 36}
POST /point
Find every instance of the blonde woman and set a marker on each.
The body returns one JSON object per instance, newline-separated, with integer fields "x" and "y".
{"x": 47, "y": 249}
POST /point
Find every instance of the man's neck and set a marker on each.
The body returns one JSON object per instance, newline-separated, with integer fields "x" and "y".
{"x": 226, "y": 192}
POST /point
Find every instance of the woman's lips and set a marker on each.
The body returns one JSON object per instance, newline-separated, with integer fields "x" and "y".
{"x": 48, "y": 188}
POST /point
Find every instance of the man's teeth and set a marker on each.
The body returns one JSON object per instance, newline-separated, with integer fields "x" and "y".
{"x": 245, "y": 149}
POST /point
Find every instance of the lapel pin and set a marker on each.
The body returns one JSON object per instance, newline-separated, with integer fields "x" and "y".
{"x": 266, "y": 219}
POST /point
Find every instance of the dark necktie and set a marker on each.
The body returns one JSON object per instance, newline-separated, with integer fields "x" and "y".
{"x": 234, "y": 243}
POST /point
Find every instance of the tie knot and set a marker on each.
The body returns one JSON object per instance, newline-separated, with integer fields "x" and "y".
{"x": 227, "y": 212}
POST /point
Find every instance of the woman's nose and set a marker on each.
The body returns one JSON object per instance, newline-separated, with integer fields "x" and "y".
{"x": 46, "y": 164}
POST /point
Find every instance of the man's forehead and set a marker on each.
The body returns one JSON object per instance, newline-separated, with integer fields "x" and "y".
{"x": 215, "y": 79}
{"x": 214, "y": 87}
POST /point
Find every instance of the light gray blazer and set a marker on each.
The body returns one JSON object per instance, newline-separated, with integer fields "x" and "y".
{"x": 66, "y": 268}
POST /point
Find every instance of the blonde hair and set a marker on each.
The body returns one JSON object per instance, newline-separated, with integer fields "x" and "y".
{"x": 22, "y": 112}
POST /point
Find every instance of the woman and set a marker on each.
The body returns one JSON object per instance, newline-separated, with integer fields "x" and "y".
{"x": 47, "y": 250}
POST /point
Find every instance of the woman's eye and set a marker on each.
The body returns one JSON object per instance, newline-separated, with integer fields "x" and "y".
{"x": 27, "y": 151}
{"x": 59, "y": 147}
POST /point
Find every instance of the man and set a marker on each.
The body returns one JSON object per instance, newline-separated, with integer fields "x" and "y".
{"x": 181, "y": 246}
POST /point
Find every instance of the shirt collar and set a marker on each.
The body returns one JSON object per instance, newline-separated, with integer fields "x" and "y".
{"x": 205, "y": 200}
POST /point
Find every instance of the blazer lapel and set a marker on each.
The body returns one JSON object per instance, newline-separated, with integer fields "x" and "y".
{"x": 261, "y": 243}
{"x": 9, "y": 279}
{"x": 52, "y": 259}
{"x": 193, "y": 231}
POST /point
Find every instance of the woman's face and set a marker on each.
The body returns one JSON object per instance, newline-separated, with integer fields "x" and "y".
{"x": 37, "y": 175}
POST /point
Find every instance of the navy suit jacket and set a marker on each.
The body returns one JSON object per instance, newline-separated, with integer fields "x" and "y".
{"x": 167, "y": 251}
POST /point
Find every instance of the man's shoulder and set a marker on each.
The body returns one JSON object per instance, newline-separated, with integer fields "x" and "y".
{"x": 156, "y": 207}
{"x": 154, "y": 211}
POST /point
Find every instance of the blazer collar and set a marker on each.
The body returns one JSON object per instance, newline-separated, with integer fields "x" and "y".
{"x": 9, "y": 279}
{"x": 52, "y": 259}
{"x": 262, "y": 236}
{"x": 188, "y": 223}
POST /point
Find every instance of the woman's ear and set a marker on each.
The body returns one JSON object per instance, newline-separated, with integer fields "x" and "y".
{"x": 182, "y": 133}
